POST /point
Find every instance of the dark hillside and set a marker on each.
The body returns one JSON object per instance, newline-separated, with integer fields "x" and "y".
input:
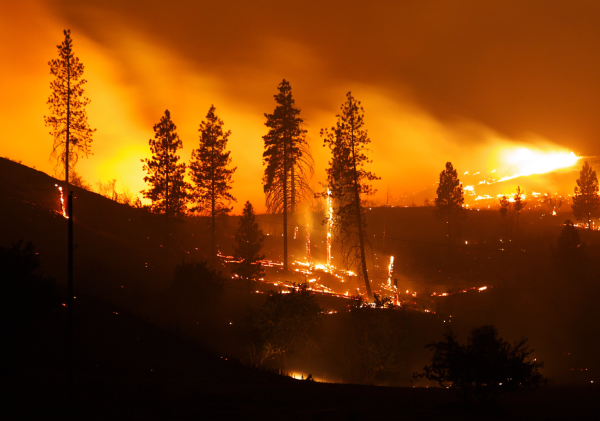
{"x": 147, "y": 348}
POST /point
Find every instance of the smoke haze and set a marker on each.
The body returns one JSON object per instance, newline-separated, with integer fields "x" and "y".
{"x": 439, "y": 81}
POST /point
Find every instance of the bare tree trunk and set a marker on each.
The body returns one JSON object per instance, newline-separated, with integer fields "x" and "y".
{"x": 213, "y": 229}
{"x": 285, "y": 233}
{"x": 363, "y": 260}
{"x": 293, "y": 191}
{"x": 69, "y": 246}
{"x": 167, "y": 240}
{"x": 68, "y": 134}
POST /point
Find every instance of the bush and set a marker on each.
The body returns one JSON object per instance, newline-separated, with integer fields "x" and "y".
{"x": 285, "y": 323}
{"x": 483, "y": 369}
{"x": 28, "y": 300}
{"x": 197, "y": 278}
{"x": 374, "y": 339}
{"x": 26, "y": 293}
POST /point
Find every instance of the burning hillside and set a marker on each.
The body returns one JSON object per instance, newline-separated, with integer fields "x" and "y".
{"x": 537, "y": 172}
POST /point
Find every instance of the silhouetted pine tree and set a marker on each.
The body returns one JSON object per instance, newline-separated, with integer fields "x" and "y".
{"x": 68, "y": 118}
{"x": 349, "y": 182}
{"x": 506, "y": 210}
{"x": 249, "y": 241}
{"x": 586, "y": 202}
{"x": 168, "y": 191}
{"x": 450, "y": 199}
{"x": 518, "y": 205}
{"x": 210, "y": 174}
{"x": 287, "y": 158}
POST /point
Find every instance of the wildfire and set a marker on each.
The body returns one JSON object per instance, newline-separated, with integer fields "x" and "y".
{"x": 522, "y": 162}
{"x": 446, "y": 294}
{"x": 528, "y": 161}
{"x": 62, "y": 202}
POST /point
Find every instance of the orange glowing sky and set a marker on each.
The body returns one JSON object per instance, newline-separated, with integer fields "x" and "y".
{"x": 465, "y": 81}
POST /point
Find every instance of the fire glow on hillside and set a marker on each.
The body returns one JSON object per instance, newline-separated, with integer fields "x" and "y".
{"x": 528, "y": 161}
{"x": 525, "y": 164}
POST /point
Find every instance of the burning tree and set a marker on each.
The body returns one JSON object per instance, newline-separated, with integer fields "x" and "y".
{"x": 68, "y": 120}
{"x": 510, "y": 209}
{"x": 585, "y": 201}
{"x": 450, "y": 199}
{"x": 249, "y": 241}
{"x": 287, "y": 158}
{"x": 348, "y": 181}
{"x": 168, "y": 191}
{"x": 553, "y": 203}
{"x": 211, "y": 177}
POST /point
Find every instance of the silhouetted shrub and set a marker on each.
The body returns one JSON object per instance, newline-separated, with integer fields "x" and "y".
{"x": 373, "y": 340}
{"x": 483, "y": 369}
{"x": 25, "y": 292}
{"x": 197, "y": 278}
{"x": 28, "y": 298}
{"x": 284, "y": 323}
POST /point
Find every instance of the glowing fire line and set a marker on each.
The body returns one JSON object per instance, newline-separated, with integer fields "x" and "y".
{"x": 62, "y": 202}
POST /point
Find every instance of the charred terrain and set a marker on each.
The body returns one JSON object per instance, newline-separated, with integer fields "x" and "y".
{"x": 147, "y": 347}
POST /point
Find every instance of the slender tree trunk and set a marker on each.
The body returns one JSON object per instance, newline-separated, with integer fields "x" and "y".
{"x": 589, "y": 222}
{"x": 69, "y": 246}
{"x": 293, "y": 217}
{"x": 70, "y": 298}
{"x": 285, "y": 233}
{"x": 517, "y": 230}
{"x": 363, "y": 260}
{"x": 68, "y": 134}
{"x": 293, "y": 188}
{"x": 213, "y": 233}
{"x": 167, "y": 200}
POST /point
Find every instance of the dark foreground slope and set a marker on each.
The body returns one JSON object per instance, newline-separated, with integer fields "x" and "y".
{"x": 129, "y": 369}
{"x": 130, "y": 365}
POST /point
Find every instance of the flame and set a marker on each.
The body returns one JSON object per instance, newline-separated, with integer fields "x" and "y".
{"x": 529, "y": 161}
{"x": 62, "y": 202}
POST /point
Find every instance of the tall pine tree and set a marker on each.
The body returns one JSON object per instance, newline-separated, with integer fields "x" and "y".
{"x": 211, "y": 177}
{"x": 586, "y": 201}
{"x": 287, "y": 159}
{"x": 349, "y": 182}
{"x": 68, "y": 118}
{"x": 450, "y": 199}
{"x": 168, "y": 189}
{"x": 249, "y": 239}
